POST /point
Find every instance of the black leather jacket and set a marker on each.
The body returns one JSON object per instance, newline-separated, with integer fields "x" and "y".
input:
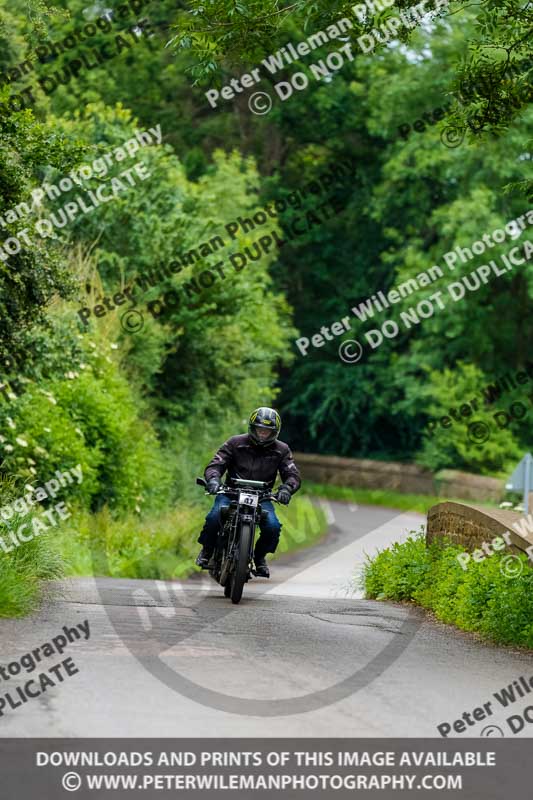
{"x": 242, "y": 458}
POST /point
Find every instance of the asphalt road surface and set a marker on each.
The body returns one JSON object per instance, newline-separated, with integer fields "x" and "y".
{"x": 302, "y": 655}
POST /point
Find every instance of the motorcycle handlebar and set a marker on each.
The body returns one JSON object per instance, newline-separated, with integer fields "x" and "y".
{"x": 229, "y": 490}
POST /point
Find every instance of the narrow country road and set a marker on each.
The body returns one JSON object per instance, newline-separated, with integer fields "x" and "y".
{"x": 303, "y": 654}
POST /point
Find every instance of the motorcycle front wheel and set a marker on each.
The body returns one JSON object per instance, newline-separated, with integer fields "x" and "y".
{"x": 240, "y": 569}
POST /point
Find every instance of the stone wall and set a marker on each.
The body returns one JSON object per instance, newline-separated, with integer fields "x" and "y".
{"x": 470, "y": 526}
{"x": 360, "y": 473}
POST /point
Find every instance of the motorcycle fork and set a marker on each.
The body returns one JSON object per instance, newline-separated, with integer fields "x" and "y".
{"x": 233, "y": 540}
{"x": 251, "y": 519}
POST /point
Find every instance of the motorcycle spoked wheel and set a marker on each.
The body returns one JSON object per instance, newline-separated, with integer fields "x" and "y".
{"x": 224, "y": 577}
{"x": 239, "y": 573}
{"x": 225, "y": 574}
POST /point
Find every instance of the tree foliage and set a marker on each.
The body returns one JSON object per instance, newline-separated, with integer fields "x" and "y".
{"x": 199, "y": 365}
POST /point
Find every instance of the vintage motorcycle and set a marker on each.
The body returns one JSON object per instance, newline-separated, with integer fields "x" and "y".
{"x": 231, "y": 562}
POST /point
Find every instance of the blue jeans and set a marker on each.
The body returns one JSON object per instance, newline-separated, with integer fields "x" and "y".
{"x": 270, "y": 528}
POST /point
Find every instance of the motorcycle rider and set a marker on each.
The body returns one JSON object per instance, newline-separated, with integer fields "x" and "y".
{"x": 258, "y": 456}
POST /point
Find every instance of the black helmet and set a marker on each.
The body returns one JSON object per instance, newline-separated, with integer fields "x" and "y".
{"x": 264, "y": 419}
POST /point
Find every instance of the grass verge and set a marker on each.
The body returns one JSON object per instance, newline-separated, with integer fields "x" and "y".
{"x": 162, "y": 548}
{"x": 26, "y": 569}
{"x": 382, "y": 497}
{"x": 480, "y": 599}
{"x": 165, "y": 547}
{"x": 24, "y": 572}
{"x": 303, "y": 524}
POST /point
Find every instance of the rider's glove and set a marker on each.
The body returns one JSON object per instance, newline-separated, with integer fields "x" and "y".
{"x": 213, "y": 485}
{"x": 284, "y": 496}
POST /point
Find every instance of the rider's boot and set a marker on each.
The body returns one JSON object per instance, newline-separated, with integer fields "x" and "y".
{"x": 204, "y": 556}
{"x": 261, "y": 567}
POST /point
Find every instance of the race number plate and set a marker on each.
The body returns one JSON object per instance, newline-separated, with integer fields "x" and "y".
{"x": 248, "y": 499}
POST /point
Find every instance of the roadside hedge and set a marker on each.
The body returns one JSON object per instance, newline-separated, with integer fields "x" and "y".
{"x": 493, "y": 598}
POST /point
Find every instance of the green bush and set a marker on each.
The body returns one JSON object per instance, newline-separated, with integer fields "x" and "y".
{"x": 397, "y": 572}
{"x": 481, "y": 599}
{"x": 89, "y": 415}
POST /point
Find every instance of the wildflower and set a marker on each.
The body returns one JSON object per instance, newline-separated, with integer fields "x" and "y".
{"x": 21, "y": 441}
{"x": 8, "y": 447}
